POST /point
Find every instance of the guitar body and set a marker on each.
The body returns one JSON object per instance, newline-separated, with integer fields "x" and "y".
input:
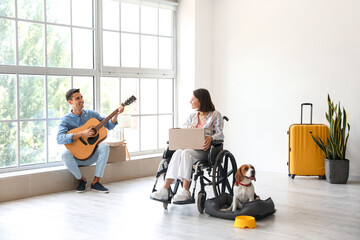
{"x": 84, "y": 148}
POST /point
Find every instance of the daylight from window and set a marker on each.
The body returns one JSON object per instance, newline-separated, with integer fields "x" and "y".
{"x": 50, "y": 46}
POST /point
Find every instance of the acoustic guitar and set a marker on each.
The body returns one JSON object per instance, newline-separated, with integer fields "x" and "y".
{"x": 83, "y": 148}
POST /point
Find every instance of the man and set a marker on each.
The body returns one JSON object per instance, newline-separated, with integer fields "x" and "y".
{"x": 76, "y": 118}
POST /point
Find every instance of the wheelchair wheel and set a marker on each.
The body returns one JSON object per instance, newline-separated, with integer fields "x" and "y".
{"x": 201, "y": 201}
{"x": 223, "y": 173}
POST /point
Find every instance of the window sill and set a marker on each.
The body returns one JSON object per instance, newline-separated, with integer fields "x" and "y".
{"x": 35, "y": 182}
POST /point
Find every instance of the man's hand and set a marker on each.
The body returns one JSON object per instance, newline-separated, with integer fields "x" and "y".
{"x": 121, "y": 109}
{"x": 88, "y": 133}
{"x": 207, "y": 143}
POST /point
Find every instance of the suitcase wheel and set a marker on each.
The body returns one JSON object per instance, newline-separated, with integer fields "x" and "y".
{"x": 293, "y": 176}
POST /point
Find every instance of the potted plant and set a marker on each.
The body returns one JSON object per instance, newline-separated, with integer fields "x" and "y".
{"x": 336, "y": 164}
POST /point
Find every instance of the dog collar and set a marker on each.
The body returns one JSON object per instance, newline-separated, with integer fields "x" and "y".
{"x": 245, "y": 185}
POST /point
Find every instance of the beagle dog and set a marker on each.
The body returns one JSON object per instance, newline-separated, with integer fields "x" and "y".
{"x": 243, "y": 188}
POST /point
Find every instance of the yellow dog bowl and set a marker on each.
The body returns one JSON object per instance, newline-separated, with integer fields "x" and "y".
{"x": 245, "y": 222}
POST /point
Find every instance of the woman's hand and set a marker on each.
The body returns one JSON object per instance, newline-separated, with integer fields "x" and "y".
{"x": 207, "y": 143}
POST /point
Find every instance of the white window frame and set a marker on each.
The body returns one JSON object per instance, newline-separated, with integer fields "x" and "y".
{"x": 124, "y": 72}
{"x": 97, "y": 72}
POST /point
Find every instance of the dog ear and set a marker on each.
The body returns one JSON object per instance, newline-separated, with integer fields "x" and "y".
{"x": 251, "y": 166}
{"x": 239, "y": 176}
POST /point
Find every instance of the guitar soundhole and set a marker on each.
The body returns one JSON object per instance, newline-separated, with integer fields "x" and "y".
{"x": 93, "y": 140}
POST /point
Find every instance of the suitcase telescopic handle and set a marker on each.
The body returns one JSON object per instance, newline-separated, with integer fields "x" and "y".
{"x": 311, "y": 110}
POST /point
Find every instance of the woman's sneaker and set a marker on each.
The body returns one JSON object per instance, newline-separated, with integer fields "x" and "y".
{"x": 182, "y": 195}
{"x": 162, "y": 194}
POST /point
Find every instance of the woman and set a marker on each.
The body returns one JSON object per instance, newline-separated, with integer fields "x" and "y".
{"x": 181, "y": 162}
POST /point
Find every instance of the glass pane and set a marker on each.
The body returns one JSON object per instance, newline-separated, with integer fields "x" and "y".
{"x": 82, "y": 13}
{"x": 114, "y": 134}
{"x": 165, "y": 96}
{"x": 131, "y": 135}
{"x": 55, "y": 149}
{"x": 32, "y": 142}
{"x": 57, "y": 88}
{"x": 7, "y": 42}
{"x": 111, "y": 15}
{"x": 111, "y": 44}
{"x": 31, "y": 44}
{"x": 32, "y": 96}
{"x": 165, "y": 22}
{"x": 129, "y": 17}
{"x": 148, "y": 96}
{"x": 109, "y": 95}
{"x": 8, "y": 144}
{"x": 129, "y": 50}
{"x": 86, "y": 85}
{"x": 148, "y": 133}
{"x": 83, "y": 49}
{"x": 31, "y": 9}
{"x": 58, "y": 46}
{"x": 58, "y": 11}
{"x": 149, "y": 52}
{"x": 165, "y": 53}
{"x": 165, "y": 123}
{"x": 7, "y": 8}
{"x": 7, "y": 97}
{"x": 129, "y": 87}
{"x": 149, "y": 19}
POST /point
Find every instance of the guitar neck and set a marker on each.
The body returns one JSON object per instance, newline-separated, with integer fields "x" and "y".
{"x": 102, "y": 123}
{"x": 127, "y": 102}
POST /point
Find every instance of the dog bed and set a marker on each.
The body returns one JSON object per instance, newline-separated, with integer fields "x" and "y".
{"x": 257, "y": 208}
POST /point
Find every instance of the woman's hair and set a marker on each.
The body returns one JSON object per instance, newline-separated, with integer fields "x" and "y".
{"x": 204, "y": 98}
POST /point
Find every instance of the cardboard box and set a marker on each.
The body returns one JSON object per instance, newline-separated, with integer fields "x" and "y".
{"x": 187, "y": 138}
{"x": 117, "y": 151}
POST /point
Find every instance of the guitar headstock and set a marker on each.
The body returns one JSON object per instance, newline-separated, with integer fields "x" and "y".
{"x": 130, "y": 100}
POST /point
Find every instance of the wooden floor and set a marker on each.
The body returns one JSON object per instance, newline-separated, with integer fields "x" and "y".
{"x": 307, "y": 208}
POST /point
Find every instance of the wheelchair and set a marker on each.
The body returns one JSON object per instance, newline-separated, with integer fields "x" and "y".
{"x": 220, "y": 166}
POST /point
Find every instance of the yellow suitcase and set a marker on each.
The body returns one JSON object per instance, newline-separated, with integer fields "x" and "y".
{"x": 305, "y": 157}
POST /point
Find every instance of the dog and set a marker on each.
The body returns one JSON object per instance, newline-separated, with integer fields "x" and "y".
{"x": 244, "y": 190}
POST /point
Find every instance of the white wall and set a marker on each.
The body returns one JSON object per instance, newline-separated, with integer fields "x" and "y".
{"x": 185, "y": 58}
{"x": 204, "y": 44}
{"x": 195, "y": 52}
{"x": 270, "y": 56}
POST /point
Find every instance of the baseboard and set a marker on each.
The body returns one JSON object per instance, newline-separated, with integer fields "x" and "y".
{"x": 59, "y": 179}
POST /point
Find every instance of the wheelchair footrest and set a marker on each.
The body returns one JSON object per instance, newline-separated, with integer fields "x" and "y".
{"x": 159, "y": 200}
{"x": 189, "y": 201}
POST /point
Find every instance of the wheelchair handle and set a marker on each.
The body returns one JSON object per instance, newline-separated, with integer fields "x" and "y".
{"x": 226, "y": 118}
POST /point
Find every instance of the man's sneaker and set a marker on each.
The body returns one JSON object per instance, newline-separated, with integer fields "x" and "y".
{"x": 82, "y": 186}
{"x": 162, "y": 194}
{"x": 99, "y": 188}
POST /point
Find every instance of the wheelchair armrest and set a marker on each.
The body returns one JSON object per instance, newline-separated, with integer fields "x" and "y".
{"x": 217, "y": 143}
{"x": 168, "y": 153}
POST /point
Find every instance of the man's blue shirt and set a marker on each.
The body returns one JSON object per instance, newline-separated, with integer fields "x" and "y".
{"x": 71, "y": 121}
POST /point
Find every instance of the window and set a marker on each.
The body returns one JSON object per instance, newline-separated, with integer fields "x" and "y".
{"x": 49, "y": 46}
{"x": 138, "y": 59}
